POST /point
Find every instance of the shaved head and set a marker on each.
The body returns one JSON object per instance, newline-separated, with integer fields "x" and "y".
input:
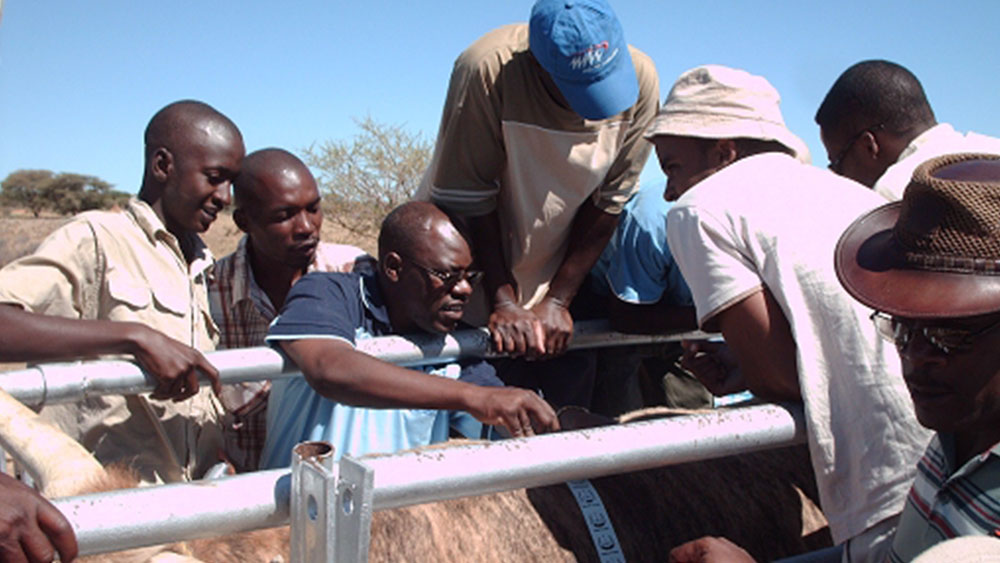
{"x": 423, "y": 265}
{"x": 408, "y": 225}
{"x": 268, "y": 167}
{"x": 179, "y": 124}
{"x": 192, "y": 154}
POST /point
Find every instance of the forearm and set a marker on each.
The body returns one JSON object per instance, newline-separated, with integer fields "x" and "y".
{"x": 31, "y": 337}
{"x": 340, "y": 373}
{"x": 758, "y": 333}
{"x": 488, "y": 251}
{"x": 591, "y": 231}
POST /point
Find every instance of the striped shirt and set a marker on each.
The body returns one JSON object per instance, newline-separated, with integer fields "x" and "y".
{"x": 243, "y": 312}
{"x": 945, "y": 503}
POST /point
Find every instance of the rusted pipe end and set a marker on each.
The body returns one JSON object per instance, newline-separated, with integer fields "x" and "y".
{"x": 317, "y": 450}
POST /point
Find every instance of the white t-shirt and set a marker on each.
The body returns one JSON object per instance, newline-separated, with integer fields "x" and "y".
{"x": 769, "y": 220}
{"x": 937, "y": 141}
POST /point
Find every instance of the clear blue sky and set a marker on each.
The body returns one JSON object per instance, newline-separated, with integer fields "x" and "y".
{"x": 80, "y": 79}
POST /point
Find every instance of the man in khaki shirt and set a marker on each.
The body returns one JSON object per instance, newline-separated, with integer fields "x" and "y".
{"x": 134, "y": 282}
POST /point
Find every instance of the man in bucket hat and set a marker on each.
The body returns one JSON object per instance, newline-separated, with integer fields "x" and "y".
{"x": 539, "y": 148}
{"x": 753, "y": 230}
{"x": 930, "y": 266}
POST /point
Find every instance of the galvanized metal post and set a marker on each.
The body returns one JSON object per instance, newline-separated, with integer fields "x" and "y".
{"x": 313, "y": 514}
{"x": 353, "y": 524}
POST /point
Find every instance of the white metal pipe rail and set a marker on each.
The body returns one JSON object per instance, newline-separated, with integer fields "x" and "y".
{"x": 66, "y": 382}
{"x": 127, "y": 519}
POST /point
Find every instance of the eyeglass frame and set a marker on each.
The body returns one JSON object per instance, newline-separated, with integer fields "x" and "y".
{"x": 449, "y": 279}
{"x": 900, "y": 333}
{"x": 837, "y": 161}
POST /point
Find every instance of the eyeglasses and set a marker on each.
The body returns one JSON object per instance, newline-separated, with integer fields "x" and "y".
{"x": 946, "y": 339}
{"x": 834, "y": 165}
{"x": 449, "y": 278}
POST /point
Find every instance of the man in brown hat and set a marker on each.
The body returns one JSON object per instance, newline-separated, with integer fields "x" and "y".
{"x": 930, "y": 266}
{"x": 753, "y": 231}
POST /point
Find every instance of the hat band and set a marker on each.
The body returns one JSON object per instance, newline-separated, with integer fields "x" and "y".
{"x": 954, "y": 264}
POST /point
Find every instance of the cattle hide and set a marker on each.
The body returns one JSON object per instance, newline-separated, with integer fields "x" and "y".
{"x": 762, "y": 501}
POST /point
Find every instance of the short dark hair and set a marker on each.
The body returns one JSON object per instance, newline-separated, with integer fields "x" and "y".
{"x": 749, "y": 147}
{"x": 405, "y": 226}
{"x": 875, "y": 92}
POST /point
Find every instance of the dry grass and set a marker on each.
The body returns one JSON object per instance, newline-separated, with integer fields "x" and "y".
{"x": 21, "y": 233}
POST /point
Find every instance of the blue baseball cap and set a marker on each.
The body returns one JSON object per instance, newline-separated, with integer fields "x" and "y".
{"x": 580, "y": 43}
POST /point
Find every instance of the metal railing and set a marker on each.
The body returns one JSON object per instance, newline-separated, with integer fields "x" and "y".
{"x": 134, "y": 518}
{"x": 153, "y": 515}
{"x": 66, "y": 382}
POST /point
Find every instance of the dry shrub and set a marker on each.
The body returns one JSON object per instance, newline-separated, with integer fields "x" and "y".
{"x": 22, "y": 233}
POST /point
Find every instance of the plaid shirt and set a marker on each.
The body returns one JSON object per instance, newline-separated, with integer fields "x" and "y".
{"x": 243, "y": 312}
{"x": 948, "y": 502}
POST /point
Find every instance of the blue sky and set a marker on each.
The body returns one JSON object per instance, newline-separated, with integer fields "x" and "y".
{"x": 79, "y": 80}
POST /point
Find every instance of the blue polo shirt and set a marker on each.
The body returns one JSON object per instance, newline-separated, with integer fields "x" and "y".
{"x": 636, "y": 265}
{"x": 349, "y": 307}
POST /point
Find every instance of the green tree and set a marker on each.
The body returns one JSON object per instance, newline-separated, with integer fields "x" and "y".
{"x": 66, "y": 193}
{"x": 366, "y": 177}
{"x": 26, "y": 188}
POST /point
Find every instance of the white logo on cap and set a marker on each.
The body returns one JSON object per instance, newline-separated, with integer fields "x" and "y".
{"x": 591, "y": 57}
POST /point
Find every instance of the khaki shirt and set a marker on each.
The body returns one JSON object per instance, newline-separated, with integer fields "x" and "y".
{"x": 507, "y": 144}
{"x": 125, "y": 266}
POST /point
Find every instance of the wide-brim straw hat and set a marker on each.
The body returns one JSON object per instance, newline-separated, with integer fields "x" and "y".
{"x": 718, "y": 102}
{"x": 935, "y": 253}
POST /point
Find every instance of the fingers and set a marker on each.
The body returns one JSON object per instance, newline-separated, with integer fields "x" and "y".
{"x": 520, "y": 411}
{"x": 526, "y": 427}
{"x": 516, "y": 331}
{"x": 555, "y": 340}
{"x": 536, "y": 345}
{"x": 59, "y": 531}
{"x": 36, "y": 546}
{"x": 212, "y": 374}
{"x": 557, "y": 325}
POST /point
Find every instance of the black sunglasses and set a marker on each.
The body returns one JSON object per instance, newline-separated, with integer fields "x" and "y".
{"x": 449, "y": 278}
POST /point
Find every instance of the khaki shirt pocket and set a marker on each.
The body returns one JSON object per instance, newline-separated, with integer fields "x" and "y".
{"x": 144, "y": 300}
{"x": 127, "y": 291}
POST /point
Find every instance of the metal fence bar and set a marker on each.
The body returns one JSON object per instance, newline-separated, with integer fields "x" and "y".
{"x": 66, "y": 382}
{"x": 127, "y": 519}
{"x": 131, "y": 518}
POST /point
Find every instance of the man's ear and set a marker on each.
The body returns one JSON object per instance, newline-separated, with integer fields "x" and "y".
{"x": 391, "y": 265}
{"x": 240, "y": 218}
{"x": 726, "y": 152}
{"x": 162, "y": 164}
{"x": 870, "y": 145}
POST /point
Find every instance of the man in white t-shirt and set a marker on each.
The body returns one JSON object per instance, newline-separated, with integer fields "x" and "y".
{"x": 877, "y": 127}
{"x": 753, "y": 231}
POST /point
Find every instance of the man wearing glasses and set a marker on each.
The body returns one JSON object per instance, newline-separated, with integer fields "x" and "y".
{"x": 877, "y": 127}
{"x": 753, "y": 230}
{"x": 361, "y": 404}
{"x": 929, "y": 265}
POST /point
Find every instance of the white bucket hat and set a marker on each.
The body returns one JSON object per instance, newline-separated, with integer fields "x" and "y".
{"x": 718, "y": 102}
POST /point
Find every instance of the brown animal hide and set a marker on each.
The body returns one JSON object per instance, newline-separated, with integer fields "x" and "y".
{"x": 762, "y": 501}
